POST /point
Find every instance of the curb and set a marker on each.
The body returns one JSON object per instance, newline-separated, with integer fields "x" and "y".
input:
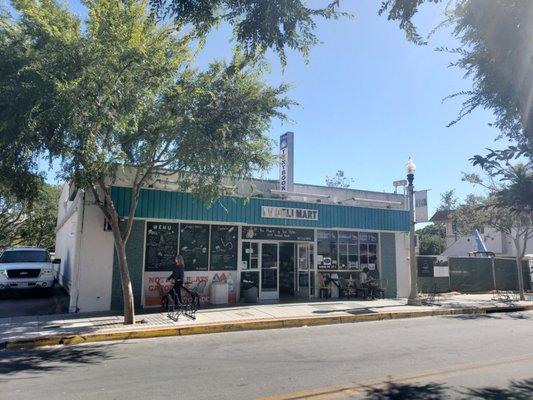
{"x": 275, "y": 323}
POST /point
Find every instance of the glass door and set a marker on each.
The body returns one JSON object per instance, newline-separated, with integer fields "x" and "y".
{"x": 303, "y": 271}
{"x": 269, "y": 257}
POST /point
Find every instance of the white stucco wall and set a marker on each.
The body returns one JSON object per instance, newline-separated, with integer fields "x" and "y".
{"x": 402, "y": 264}
{"x": 95, "y": 268}
{"x": 66, "y": 237}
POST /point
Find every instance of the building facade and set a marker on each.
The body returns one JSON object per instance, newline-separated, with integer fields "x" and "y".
{"x": 288, "y": 244}
{"x": 289, "y": 240}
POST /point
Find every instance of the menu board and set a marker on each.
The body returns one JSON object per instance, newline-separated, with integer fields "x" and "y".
{"x": 272, "y": 233}
{"x": 223, "y": 247}
{"x": 161, "y": 246}
{"x": 194, "y": 246}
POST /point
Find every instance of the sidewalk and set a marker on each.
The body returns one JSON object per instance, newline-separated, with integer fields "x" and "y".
{"x": 71, "y": 328}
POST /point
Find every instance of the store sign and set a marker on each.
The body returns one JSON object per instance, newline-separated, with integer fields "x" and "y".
{"x": 286, "y": 145}
{"x": 289, "y": 213}
{"x": 273, "y": 233}
{"x": 421, "y": 206}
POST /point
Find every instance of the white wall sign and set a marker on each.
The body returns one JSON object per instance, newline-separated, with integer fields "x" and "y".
{"x": 289, "y": 213}
{"x": 421, "y": 206}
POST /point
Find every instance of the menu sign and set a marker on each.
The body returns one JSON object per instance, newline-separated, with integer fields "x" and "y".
{"x": 194, "y": 245}
{"x": 161, "y": 246}
{"x": 224, "y": 247}
{"x": 272, "y": 233}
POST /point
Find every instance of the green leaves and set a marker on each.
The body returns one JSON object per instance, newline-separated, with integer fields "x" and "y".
{"x": 258, "y": 25}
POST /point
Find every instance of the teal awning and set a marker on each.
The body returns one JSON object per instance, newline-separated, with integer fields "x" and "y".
{"x": 162, "y": 204}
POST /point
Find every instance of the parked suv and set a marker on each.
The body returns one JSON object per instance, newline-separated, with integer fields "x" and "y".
{"x": 26, "y": 267}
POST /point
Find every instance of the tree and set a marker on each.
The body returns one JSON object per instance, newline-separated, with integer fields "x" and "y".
{"x": 339, "y": 180}
{"x": 11, "y": 216}
{"x": 119, "y": 97}
{"x": 257, "y": 25}
{"x": 29, "y": 223}
{"x": 39, "y": 225}
{"x": 509, "y": 207}
{"x": 432, "y": 239}
{"x": 448, "y": 201}
{"x": 495, "y": 51}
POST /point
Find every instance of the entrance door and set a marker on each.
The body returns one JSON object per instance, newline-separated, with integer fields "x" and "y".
{"x": 303, "y": 271}
{"x": 269, "y": 289}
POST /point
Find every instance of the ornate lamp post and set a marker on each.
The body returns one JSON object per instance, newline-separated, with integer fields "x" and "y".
{"x": 413, "y": 295}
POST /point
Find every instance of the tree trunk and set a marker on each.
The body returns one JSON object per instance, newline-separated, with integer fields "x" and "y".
{"x": 520, "y": 277}
{"x": 127, "y": 291}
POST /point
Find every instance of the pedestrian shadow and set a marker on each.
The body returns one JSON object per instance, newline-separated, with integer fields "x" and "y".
{"x": 49, "y": 359}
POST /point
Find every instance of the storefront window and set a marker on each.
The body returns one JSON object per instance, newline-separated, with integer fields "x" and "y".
{"x": 223, "y": 247}
{"x": 368, "y": 252}
{"x": 250, "y": 255}
{"x": 327, "y": 249}
{"x": 194, "y": 245}
{"x": 348, "y": 250}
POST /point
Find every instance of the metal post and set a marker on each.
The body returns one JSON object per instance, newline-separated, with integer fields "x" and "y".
{"x": 413, "y": 299}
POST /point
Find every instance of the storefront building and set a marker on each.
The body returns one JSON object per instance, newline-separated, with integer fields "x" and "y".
{"x": 289, "y": 243}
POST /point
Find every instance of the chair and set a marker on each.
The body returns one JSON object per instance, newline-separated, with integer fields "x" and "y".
{"x": 360, "y": 290}
{"x": 347, "y": 289}
{"x": 380, "y": 288}
{"x": 324, "y": 291}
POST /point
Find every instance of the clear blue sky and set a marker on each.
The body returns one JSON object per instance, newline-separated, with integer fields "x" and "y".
{"x": 369, "y": 99}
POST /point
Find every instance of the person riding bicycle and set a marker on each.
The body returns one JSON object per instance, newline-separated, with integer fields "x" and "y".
{"x": 178, "y": 276}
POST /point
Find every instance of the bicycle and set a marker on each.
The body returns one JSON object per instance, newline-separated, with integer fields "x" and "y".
{"x": 187, "y": 307}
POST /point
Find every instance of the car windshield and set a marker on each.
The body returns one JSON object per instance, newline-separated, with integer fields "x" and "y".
{"x": 21, "y": 256}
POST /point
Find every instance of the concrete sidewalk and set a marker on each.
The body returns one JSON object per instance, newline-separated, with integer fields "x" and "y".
{"x": 16, "y": 332}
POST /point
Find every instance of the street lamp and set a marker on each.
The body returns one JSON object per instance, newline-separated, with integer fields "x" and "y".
{"x": 413, "y": 294}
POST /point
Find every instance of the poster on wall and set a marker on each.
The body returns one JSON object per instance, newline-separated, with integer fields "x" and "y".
{"x": 441, "y": 268}
{"x": 224, "y": 243}
{"x": 194, "y": 246}
{"x": 156, "y": 285}
{"x": 425, "y": 266}
{"x": 161, "y": 246}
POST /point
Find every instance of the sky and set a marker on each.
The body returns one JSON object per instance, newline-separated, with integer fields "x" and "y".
{"x": 369, "y": 99}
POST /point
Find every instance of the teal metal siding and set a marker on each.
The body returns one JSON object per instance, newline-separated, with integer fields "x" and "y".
{"x": 184, "y": 206}
{"x": 135, "y": 257}
{"x": 388, "y": 262}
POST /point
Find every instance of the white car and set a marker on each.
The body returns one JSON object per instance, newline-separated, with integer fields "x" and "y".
{"x": 26, "y": 267}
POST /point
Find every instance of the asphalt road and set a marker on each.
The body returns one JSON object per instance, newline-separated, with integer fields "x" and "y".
{"x": 22, "y": 302}
{"x": 426, "y": 358}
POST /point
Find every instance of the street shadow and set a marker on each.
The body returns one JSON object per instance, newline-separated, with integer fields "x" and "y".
{"x": 517, "y": 390}
{"x": 348, "y": 310}
{"x": 515, "y": 315}
{"x": 48, "y": 359}
{"x": 399, "y": 391}
{"x": 27, "y": 302}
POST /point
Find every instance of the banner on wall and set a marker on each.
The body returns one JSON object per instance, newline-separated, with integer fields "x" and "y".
{"x": 421, "y": 206}
{"x": 156, "y": 285}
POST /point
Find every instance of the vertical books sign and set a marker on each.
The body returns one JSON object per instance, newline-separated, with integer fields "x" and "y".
{"x": 286, "y": 146}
